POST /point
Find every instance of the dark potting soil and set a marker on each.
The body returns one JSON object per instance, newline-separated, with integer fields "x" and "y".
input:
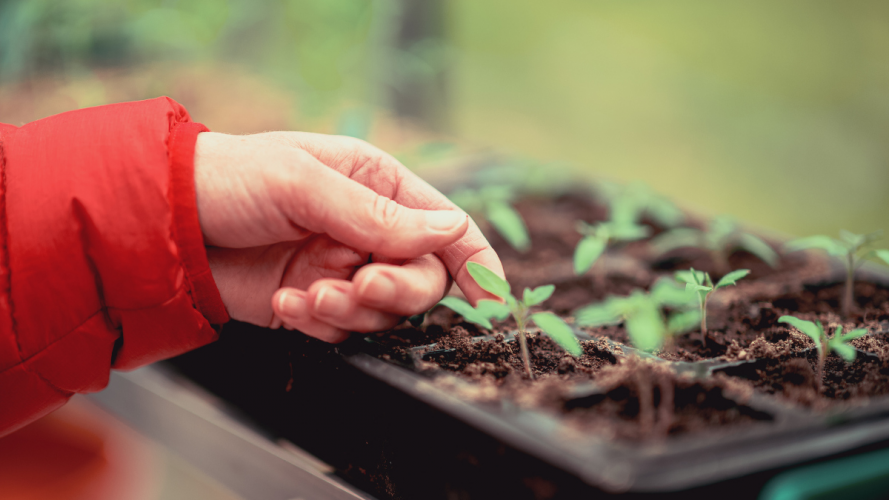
{"x": 742, "y": 325}
{"x": 640, "y": 399}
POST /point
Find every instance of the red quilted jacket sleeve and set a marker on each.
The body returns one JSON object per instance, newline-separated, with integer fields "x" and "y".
{"x": 102, "y": 263}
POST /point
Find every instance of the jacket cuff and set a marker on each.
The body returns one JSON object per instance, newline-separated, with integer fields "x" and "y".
{"x": 186, "y": 226}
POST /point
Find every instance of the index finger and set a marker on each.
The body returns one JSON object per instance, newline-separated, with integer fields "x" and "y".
{"x": 384, "y": 174}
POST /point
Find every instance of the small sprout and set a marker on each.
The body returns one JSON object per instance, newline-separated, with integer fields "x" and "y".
{"x": 851, "y": 248}
{"x": 643, "y": 316}
{"x": 722, "y": 237}
{"x": 493, "y": 204}
{"x": 629, "y": 203}
{"x": 627, "y": 206}
{"x": 548, "y": 323}
{"x": 839, "y": 343}
{"x": 700, "y": 283}
{"x": 597, "y": 238}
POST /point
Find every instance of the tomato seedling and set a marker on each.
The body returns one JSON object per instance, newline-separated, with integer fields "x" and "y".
{"x": 596, "y": 238}
{"x": 839, "y": 343}
{"x": 851, "y": 248}
{"x": 722, "y": 237}
{"x": 629, "y": 203}
{"x": 520, "y": 309}
{"x": 702, "y": 286}
{"x": 648, "y": 327}
{"x": 493, "y": 204}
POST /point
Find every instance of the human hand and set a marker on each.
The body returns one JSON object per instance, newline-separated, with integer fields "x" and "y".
{"x": 328, "y": 234}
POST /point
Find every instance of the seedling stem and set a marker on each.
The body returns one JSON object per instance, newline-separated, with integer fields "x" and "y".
{"x": 648, "y": 327}
{"x": 839, "y": 343}
{"x": 700, "y": 283}
{"x": 523, "y": 344}
{"x": 519, "y": 309}
{"x": 721, "y": 237}
{"x": 851, "y": 248}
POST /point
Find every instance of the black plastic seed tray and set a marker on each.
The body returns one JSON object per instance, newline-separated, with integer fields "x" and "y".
{"x": 783, "y": 435}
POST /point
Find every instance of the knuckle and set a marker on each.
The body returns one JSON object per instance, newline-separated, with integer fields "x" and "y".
{"x": 386, "y": 214}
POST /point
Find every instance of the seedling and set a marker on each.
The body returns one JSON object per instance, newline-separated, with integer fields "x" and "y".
{"x": 700, "y": 283}
{"x": 493, "y": 204}
{"x": 642, "y": 313}
{"x": 597, "y": 238}
{"x": 649, "y": 330}
{"x": 629, "y": 203}
{"x": 839, "y": 343}
{"x": 627, "y": 206}
{"x": 520, "y": 309}
{"x": 720, "y": 239}
{"x": 851, "y": 248}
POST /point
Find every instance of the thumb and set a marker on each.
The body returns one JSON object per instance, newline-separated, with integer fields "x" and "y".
{"x": 323, "y": 200}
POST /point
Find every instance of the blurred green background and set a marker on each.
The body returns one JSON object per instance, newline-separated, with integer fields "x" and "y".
{"x": 777, "y": 112}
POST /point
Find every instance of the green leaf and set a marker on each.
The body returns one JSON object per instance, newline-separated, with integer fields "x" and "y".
{"x": 628, "y": 231}
{"x": 818, "y": 242}
{"x": 645, "y": 327}
{"x": 598, "y": 315}
{"x": 855, "y": 241}
{"x": 664, "y": 212}
{"x": 559, "y": 331}
{"x": 676, "y": 238}
{"x": 759, "y": 248}
{"x": 466, "y": 310}
{"x": 851, "y": 239}
{"x": 488, "y": 279}
{"x": 732, "y": 277}
{"x": 854, "y": 334}
{"x": 683, "y": 322}
{"x": 509, "y": 224}
{"x": 691, "y": 287}
{"x": 669, "y": 293}
{"x": 511, "y": 302}
{"x": 872, "y": 237}
{"x": 839, "y": 342}
{"x": 496, "y": 193}
{"x": 882, "y": 254}
{"x": 846, "y": 351}
{"x": 814, "y": 331}
{"x": 588, "y": 252}
{"x": 538, "y": 295}
{"x": 690, "y": 276}
{"x": 625, "y": 208}
{"x": 492, "y": 309}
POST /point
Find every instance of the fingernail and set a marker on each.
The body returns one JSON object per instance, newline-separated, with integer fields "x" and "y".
{"x": 331, "y": 302}
{"x": 378, "y": 288}
{"x": 292, "y": 306}
{"x": 444, "y": 221}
